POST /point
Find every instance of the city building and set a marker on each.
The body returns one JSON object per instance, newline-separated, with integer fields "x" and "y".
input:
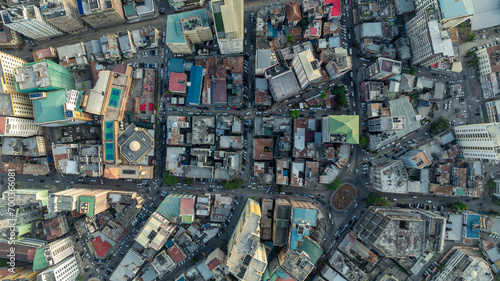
{"x": 293, "y": 13}
{"x": 29, "y": 21}
{"x": 489, "y": 60}
{"x": 390, "y": 177}
{"x": 178, "y": 208}
{"x": 188, "y": 28}
{"x": 465, "y": 264}
{"x": 479, "y": 141}
{"x": 67, "y": 270}
{"x": 49, "y": 53}
{"x": 110, "y": 47}
{"x": 491, "y": 111}
{"x": 281, "y": 221}
{"x": 101, "y": 14}
{"x": 221, "y": 208}
{"x": 182, "y": 5}
{"x": 18, "y": 127}
{"x": 229, "y": 23}
{"x": 307, "y": 68}
{"x": 135, "y": 143}
{"x": 382, "y": 69}
{"x": 64, "y": 200}
{"x": 247, "y": 258}
{"x": 42, "y": 76}
{"x": 55, "y": 227}
{"x": 146, "y": 37}
{"x": 59, "y": 108}
{"x": 264, "y": 59}
{"x": 53, "y": 253}
{"x": 93, "y": 202}
{"x": 398, "y": 233}
{"x": 194, "y": 90}
{"x": 63, "y": 14}
{"x": 16, "y": 105}
{"x": 454, "y": 12}
{"x": 128, "y": 267}
{"x": 282, "y": 83}
{"x": 485, "y": 14}
{"x": 430, "y": 43}
{"x": 155, "y": 232}
{"x": 7, "y": 65}
{"x": 341, "y": 128}
{"x": 73, "y": 56}
{"x": 303, "y": 219}
{"x": 415, "y": 159}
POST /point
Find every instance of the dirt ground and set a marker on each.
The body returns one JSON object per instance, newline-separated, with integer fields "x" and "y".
{"x": 343, "y": 197}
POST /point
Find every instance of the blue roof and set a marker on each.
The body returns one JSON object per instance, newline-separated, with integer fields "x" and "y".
{"x": 194, "y": 91}
{"x": 174, "y": 30}
{"x": 169, "y": 207}
{"x": 273, "y": 31}
{"x": 169, "y": 243}
{"x": 305, "y": 215}
{"x": 456, "y": 8}
{"x": 471, "y": 220}
{"x": 424, "y": 103}
{"x": 177, "y": 65}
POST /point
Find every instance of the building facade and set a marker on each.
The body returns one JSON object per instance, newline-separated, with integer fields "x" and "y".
{"x": 18, "y": 127}
{"x": 68, "y": 270}
{"x": 101, "y": 14}
{"x": 188, "y": 28}
{"x": 63, "y": 14}
{"x": 229, "y": 25}
{"x": 29, "y": 21}
{"x": 7, "y": 64}
{"x": 479, "y": 141}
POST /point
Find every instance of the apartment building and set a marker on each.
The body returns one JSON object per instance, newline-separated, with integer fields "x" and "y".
{"x": 29, "y": 21}
{"x": 7, "y": 64}
{"x": 188, "y": 28}
{"x": 68, "y": 270}
{"x": 479, "y": 141}
{"x": 18, "y": 127}
{"x": 229, "y": 25}
{"x": 451, "y": 12}
{"x": 101, "y": 13}
{"x": 307, "y": 68}
{"x": 62, "y": 14}
{"x": 382, "y": 69}
{"x": 42, "y": 76}
{"x": 491, "y": 111}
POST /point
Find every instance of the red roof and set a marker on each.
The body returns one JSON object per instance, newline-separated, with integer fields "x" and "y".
{"x": 175, "y": 253}
{"x": 177, "y": 82}
{"x": 151, "y": 106}
{"x": 142, "y": 107}
{"x": 213, "y": 264}
{"x": 314, "y": 30}
{"x": 335, "y": 10}
{"x": 100, "y": 247}
{"x": 186, "y": 206}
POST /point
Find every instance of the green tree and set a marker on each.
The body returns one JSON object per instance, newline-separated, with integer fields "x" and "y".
{"x": 334, "y": 185}
{"x": 374, "y": 199}
{"x": 491, "y": 184}
{"x": 471, "y": 37}
{"x": 440, "y": 125}
{"x": 303, "y": 23}
{"x": 294, "y": 114}
{"x": 458, "y": 206}
{"x": 364, "y": 141}
{"x": 322, "y": 95}
{"x": 233, "y": 184}
{"x": 413, "y": 71}
{"x": 280, "y": 188}
{"x": 290, "y": 38}
{"x": 188, "y": 181}
{"x": 470, "y": 54}
{"x": 341, "y": 100}
{"x": 169, "y": 179}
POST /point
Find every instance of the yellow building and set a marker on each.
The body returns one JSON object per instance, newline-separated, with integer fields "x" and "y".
{"x": 188, "y": 28}
{"x": 22, "y": 106}
{"x": 228, "y": 17}
{"x": 21, "y": 274}
{"x": 247, "y": 258}
{"x": 7, "y": 64}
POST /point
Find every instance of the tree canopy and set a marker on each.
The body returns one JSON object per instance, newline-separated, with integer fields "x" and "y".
{"x": 169, "y": 179}
{"x": 364, "y": 141}
{"x": 294, "y": 114}
{"x": 233, "y": 184}
{"x": 458, "y": 206}
{"x": 374, "y": 199}
{"x": 334, "y": 185}
{"x": 440, "y": 125}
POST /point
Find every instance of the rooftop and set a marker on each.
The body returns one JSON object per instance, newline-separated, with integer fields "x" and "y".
{"x": 178, "y": 23}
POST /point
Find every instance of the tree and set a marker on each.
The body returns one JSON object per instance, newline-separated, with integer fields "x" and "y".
{"x": 471, "y": 37}
{"x": 322, "y": 95}
{"x": 458, "y": 206}
{"x": 303, "y": 23}
{"x": 440, "y": 125}
{"x": 188, "y": 181}
{"x": 374, "y": 199}
{"x": 341, "y": 100}
{"x": 413, "y": 71}
{"x": 280, "y": 188}
{"x": 294, "y": 114}
{"x": 470, "y": 54}
{"x": 169, "y": 179}
{"x": 364, "y": 141}
{"x": 334, "y": 185}
{"x": 233, "y": 184}
{"x": 290, "y": 38}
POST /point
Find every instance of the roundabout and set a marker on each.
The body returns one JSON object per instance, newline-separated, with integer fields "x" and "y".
{"x": 343, "y": 197}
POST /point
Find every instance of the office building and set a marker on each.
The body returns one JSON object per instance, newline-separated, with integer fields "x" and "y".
{"x": 228, "y": 20}
{"x": 18, "y": 127}
{"x": 281, "y": 221}
{"x": 479, "y": 141}
{"x": 156, "y": 232}
{"x": 247, "y": 257}
{"x": 17, "y": 104}
{"x": 382, "y": 69}
{"x": 29, "y": 21}
{"x": 64, "y": 200}
{"x": 62, "y": 14}
{"x": 101, "y": 13}
{"x": 450, "y": 12}
{"x": 464, "y": 264}
{"x": 430, "y": 43}
{"x": 59, "y": 108}
{"x": 180, "y": 5}
{"x": 307, "y": 68}
{"x": 283, "y": 83}
{"x": 94, "y": 202}
{"x": 491, "y": 111}
{"x": 188, "y": 28}
{"x": 53, "y": 253}
{"x": 390, "y": 177}
{"x": 415, "y": 159}
{"x": 67, "y": 270}
{"x": 42, "y": 76}
{"x": 7, "y": 65}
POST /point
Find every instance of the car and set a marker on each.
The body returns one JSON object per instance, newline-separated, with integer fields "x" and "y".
{"x": 345, "y": 212}
{"x": 428, "y": 201}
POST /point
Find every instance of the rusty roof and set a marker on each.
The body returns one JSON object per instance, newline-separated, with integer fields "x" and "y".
{"x": 263, "y": 149}
{"x": 292, "y": 10}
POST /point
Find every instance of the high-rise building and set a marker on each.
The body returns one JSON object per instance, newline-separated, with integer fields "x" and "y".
{"x": 53, "y": 253}
{"x": 29, "y": 21}
{"x": 101, "y": 13}
{"x": 179, "y": 5}
{"x": 307, "y": 68}
{"x": 67, "y": 270}
{"x": 42, "y": 76}
{"x": 7, "y": 65}
{"x": 382, "y": 69}
{"x": 430, "y": 43}
{"x": 17, "y": 127}
{"x": 479, "y": 141}
{"x": 65, "y": 200}
{"x": 188, "y": 28}
{"x": 63, "y": 14}
{"x": 281, "y": 221}
{"x": 451, "y": 12}
{"x": 22, "y": 106}
{"x": 247, "y": 257}
{"x": 390, "y": 177}
{"x": 228, "y": 19}
{"x": 491, "y": 111}
{"x": 94, "y": 202}
{"x": 415, "y": 159}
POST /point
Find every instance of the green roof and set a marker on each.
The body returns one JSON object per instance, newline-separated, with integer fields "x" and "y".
{"x": 187, "y": 219}
{"x": 39, "y": 261}
{"x": 219, "y": 23}
{"x": 91, "y": 204}
{"x": 51, "y": 108}
{"x": 129, "y": 10}
{"x": 23, "y": 229}
{"x": 347, "y": 125}
{"x": 311, "y": 249}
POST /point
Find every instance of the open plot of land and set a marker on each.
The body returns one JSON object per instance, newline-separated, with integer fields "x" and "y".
{"x": 343, "y": 197}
